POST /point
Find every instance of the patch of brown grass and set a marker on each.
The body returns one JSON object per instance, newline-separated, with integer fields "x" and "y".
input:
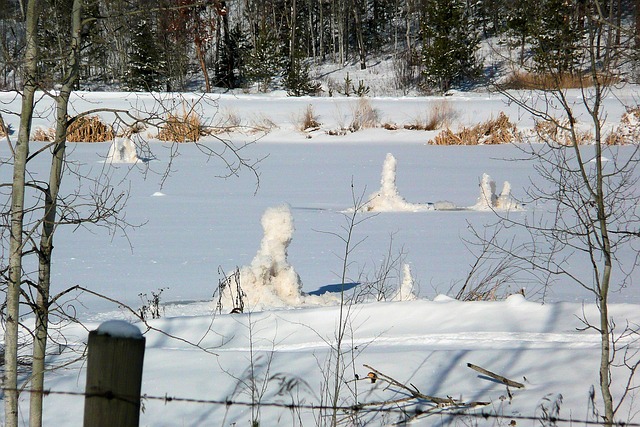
{"x": 364, "y": 116}
{"x": 491, "y": 132}
{"x": 44, "y": 135}
{"x": 522, "y": 80}
{"x": 89, "y": 129}
{"x": 308, "y": 120}
{"x": 440, "y": 114}
{"x": 557, "y": 132}
{"x": 186, "y": 127}
{"x": 628, "y": 132}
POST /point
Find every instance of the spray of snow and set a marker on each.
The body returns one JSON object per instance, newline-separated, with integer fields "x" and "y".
{"x": 405, "y": 291}
{"x": 270, "y": 281}
{"x": 387, "y": 199}
{"x": 122, "y": 150}
{"x": 488, "y": 200}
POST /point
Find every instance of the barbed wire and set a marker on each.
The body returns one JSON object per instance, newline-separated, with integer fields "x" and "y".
{"x": 420, "y": 410}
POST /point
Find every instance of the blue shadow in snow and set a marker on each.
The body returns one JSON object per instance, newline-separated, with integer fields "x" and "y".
{"x": 333, "y": 288}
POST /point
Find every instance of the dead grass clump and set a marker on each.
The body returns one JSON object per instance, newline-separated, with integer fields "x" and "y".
{"x": 628, "y": 132}
{"x": 44, "y": 135}
{"x": 440, "y": 115}
{"x": 522, "y": 80}
{"x": 491, "y": 132}
{"x": 89, "y": 129}
{"x": 181, "y": 128}
{"x": 364, "y": 116}
{"x": 559, "y": 133}
{"x": 308, "y": 120}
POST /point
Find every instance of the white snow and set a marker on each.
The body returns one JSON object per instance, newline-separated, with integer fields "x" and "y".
{"x": 119, "y": 329}
{"x": 122, "y": 150}
{"x": 208, "y": 224}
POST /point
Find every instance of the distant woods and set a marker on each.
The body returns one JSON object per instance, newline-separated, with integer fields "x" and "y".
{"x": 178, "y": 45}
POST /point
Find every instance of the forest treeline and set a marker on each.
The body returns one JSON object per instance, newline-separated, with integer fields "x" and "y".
{"x": 178, "y": 45}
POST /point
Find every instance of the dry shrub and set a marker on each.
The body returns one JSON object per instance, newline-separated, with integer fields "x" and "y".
{"x": 262, "y": 124}
{"x": 181, "y": 128}
{"x": 522, "y": 80}
{"x": 628, "y": 132}
{"x": 440, "y": 114}
{"x": 308, "y": 120}
{"x": 364, "y": 116}
{"x": 558, "y": 133}
{"x": 493, "y": 131}
{"x": 44, "y": 135}
{"x": 89, "y": 129}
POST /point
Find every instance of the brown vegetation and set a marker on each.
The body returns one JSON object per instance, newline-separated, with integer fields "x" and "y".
{"x": 522, "y": 80}
{"x": 181, "y": 128}
{"x": 493, "y": 131}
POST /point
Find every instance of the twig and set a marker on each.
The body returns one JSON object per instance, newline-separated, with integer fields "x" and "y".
{"x": 500, "y": 378}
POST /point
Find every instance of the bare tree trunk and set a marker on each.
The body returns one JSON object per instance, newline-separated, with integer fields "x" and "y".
{"x": 49, "y": 222}
{"x": 10, "y": 382}
{"x": 203, "y": 67}
{"x": 359, "y": 37}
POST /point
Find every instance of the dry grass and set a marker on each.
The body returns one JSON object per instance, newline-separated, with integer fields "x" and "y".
{"x": 186, "y": 127}
{"x": 440, "y": 115}
{"x": 494, "y": 131}
{"x": 557, "y": 132}
{"x": 83, "y": 129}
{"x": 521, "y": 80}
{"x": 308, "y": 120}
{"x": 628, "y": 132}
{"x": 89, "y": 129}
{"x": 44, "y": 135}
{"x": 364, "y": 116}
{"x": 262, "y": 124}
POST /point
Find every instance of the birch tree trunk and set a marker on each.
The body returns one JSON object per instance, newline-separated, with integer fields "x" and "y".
{"x": 49, "y": 221}
{"x": 16, "y": 244}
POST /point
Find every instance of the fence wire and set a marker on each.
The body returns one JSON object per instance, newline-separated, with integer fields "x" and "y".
{"x": 365, "y": 407}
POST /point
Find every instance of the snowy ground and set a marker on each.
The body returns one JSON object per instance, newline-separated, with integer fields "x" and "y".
{"x": 196, "y": 224}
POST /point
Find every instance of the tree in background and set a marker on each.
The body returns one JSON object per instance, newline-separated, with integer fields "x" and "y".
{"x": 146, "y": 65}
{"x": 449, "y": 45}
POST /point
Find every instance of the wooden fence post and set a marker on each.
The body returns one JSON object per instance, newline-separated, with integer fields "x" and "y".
{"x": 114, "y": 375}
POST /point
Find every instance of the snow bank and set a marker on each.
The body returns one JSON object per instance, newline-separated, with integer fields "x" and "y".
{"x": 488, "y": 200}
{"x": 122, "y": 150}
{"x": 387, "y": 199}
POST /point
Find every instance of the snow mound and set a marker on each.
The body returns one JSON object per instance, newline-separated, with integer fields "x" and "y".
{"x": 387, "y": 199}
{"x": 270, "y": 281}
{"x": 488, "y": 200}
{"x": 122, "y": 150}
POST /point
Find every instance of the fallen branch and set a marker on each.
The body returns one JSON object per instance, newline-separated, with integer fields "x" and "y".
{"x": 495, "y": 376}
{"x": 376, "y": 375}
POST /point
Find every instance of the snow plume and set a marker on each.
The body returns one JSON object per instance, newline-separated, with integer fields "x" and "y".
{"x": 122, "y": 150}
{"x": 489, "y": 200}
{"x": 270, "y": 281}
{"x": 405, "y": 291}
{"x": 387, "y": 198}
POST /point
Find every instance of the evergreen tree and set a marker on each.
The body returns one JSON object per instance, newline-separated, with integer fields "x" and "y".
{"x": 146, "y": 66}
{"x": 264, "y": 62}
{"x": 558, "y": 36}
{"x": 450, "y": 42}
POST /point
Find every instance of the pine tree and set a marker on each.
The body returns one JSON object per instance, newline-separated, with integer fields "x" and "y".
{"x": 558, "y": 35}
{"x": 146, "y": 66}
{"x": 264, "y": 62}
{"x": 449, "y": 44}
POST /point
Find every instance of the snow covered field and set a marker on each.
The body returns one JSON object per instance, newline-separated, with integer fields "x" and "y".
{"x": 195, "y": 225}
